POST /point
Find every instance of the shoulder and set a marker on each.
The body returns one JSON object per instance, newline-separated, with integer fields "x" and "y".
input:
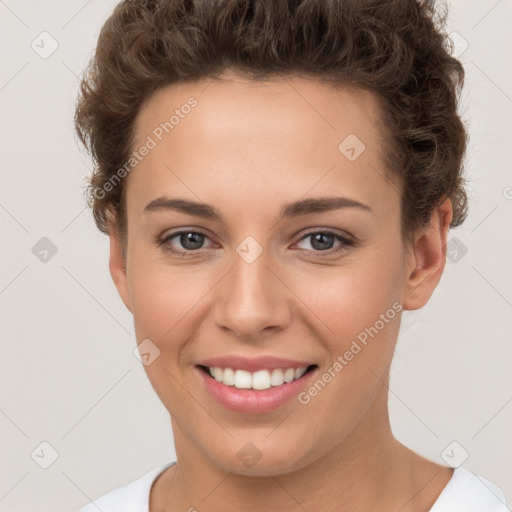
{"x": 467, "y": 492}
{"x": 131, "y": 497}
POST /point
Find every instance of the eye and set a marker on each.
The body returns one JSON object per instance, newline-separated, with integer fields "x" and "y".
{"x": 190, "y": 241}
{"x": 187, "y": 242}
{"x": 323, "y": 241}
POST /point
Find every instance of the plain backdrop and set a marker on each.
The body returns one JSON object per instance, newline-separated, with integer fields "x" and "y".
{"x": 75, "y": 399}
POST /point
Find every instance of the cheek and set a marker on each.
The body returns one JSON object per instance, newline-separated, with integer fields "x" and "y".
{"x": 359, "y": 309}
{"x": 354, "y": 297}
{"x": 163, "y": 298}
{"x": 166, "y": 304}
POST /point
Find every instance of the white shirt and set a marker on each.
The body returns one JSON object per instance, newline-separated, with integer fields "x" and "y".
{"x": 465, "y": 492}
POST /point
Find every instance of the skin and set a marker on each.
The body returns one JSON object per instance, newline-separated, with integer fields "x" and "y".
{"x": 246, "y": 149}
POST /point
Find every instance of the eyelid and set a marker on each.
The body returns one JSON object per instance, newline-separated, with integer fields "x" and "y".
{"x": 346, "y": 242}
{"x": 330, "y": 231}
{"x": 343, "y": 236}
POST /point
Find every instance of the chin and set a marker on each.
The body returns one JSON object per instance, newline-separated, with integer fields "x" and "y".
{"x": 258, "y": 459}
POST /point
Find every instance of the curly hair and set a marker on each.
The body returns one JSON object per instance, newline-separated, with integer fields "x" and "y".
{"x": 396, "y": 49}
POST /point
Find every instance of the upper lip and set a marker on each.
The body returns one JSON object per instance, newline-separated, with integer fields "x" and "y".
{"x": 253, "y": 364}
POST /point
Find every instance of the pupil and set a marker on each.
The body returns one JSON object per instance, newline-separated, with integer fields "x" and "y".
{"x": 192, "y": 240}
{"x": 322, "y": 241}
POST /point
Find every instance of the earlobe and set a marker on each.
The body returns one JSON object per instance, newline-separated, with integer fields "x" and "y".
{"x": 117, "y": 266}
{"x": 427, "y": 257}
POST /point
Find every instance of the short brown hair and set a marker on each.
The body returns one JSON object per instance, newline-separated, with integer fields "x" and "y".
{"x": 395, "y": 48}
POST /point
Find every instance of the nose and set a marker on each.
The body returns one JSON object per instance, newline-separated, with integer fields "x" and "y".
{"x": 252, "y": 301}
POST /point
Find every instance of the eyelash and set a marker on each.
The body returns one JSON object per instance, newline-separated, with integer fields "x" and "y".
{"x": 346, "y": 243}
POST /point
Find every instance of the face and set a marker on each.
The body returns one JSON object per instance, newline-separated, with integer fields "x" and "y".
{"x": 263, "y": 238}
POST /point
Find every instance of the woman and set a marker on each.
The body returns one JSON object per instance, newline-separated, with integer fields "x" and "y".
{"x": 278, "y": 180}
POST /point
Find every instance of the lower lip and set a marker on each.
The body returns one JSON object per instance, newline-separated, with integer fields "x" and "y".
{"x": 250, "y": 401}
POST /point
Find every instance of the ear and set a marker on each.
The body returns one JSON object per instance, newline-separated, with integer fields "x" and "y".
{"x": 117, "y": 266}
{"x": 427, "y": 257}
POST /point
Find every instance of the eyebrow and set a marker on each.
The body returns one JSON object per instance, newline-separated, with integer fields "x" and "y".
{"x": 288, "y": 210}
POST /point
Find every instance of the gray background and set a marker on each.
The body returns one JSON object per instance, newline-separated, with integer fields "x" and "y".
{"x": 68, "y": 374}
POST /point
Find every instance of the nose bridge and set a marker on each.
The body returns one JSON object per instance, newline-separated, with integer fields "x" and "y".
{"x": 251, "y": 299}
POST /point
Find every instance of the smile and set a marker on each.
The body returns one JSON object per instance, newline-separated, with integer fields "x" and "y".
{"x": 254, "y": 385}
{"x": 259, "y": 380}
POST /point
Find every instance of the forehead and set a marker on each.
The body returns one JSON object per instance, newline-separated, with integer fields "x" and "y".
{"x": 263, "y": 108}
{"x": 281, "y": 136}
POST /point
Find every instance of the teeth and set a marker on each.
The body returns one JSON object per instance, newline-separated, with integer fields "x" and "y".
{"x": 243, "y": 379}
{"x": 299, "y": 372}
{"x": 228, "y": 377}
{"x": 218, "y": 374}
{"x": 262, "y": 379}
{"x": 276, "y": 379}
{"x": 289, "y": 375}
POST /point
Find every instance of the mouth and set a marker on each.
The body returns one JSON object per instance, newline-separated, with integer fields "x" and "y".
{"x": 254, "y": 387}
{"x": 259, "y": 380}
